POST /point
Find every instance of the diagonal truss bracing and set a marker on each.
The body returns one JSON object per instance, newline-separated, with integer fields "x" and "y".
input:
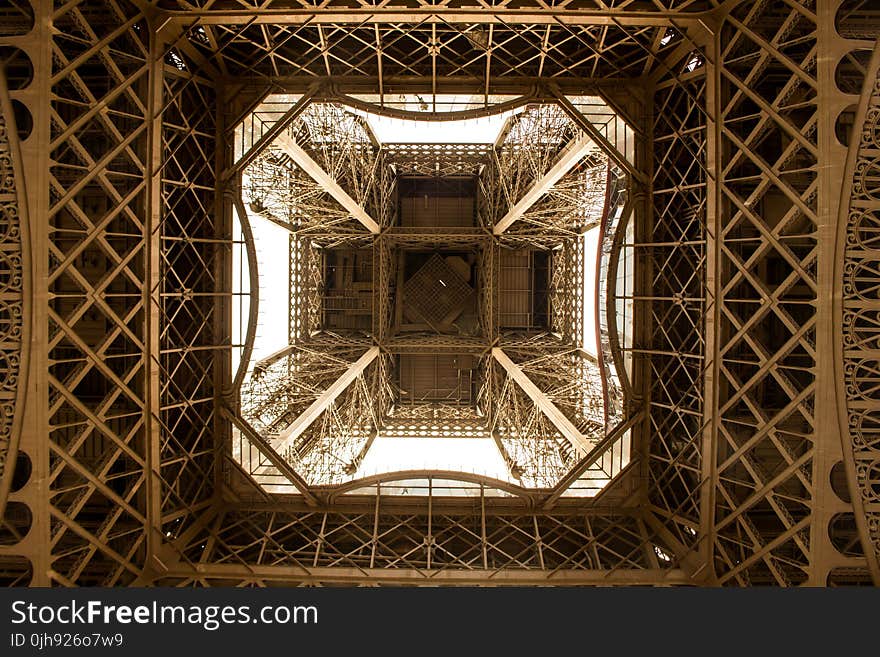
{"x": 302, "y": 159}
{"x": 732, "y": 290}
{"x": 570, "y": 156}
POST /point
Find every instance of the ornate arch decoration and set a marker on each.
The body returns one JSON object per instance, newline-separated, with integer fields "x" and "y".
{"x": 858, "y": 331}
{"x": 15, "y": 297}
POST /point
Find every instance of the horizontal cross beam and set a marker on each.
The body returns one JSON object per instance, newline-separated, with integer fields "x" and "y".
{"x": 417, "y": 575}
{"x": 397, "y": 13}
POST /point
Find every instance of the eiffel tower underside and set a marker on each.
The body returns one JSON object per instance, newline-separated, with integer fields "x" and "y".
{"x": 724, "y": 431}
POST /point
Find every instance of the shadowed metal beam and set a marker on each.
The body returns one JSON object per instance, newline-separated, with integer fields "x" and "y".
{"x": 288, "y": 437}
{"x": 326, "y": 181}
{"x": 597, "y": 453}
{"x": 547, "y": 407}
{"x": 573, "y": 154}
{"x": 494, "y": 577}
{"x": 272, "y": 133}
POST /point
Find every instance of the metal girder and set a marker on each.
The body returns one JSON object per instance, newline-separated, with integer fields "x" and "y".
{"x": 556, "y": 417}
{"x": 610, "y": 149}
{"x": 289, "y": 435}
{"x": 578, "y": 470}
{"x": 270, "y": 455}
{"x": 764, "y": 496}
{"x": 668, "y": 347}
{"x": 313, "y": 169}
{"x": 272, "y": 133}
{"x": 541, "y": 15}
{"x": 404, "y": 539}
{"x": 570, "y": 156}
{"x": 461, "y": 577}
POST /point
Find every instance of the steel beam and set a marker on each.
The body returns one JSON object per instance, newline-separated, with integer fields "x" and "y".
{"x": 461, "y": 577}
{"x": 611, "y": 149}
{"x": 272, "y": 133}
{"x": 572, "y": 154}
{"x": 300, "y": 424}
{"x": 593, "y": 457}
{"x": 316, "y": 173}
{"x": 266, "y": 450}
{"x": 556, "y": 417}
{"x": 540, "y": 15}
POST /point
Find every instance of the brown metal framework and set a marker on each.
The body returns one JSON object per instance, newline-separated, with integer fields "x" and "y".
{"x": 755, "y": 456}
{"x": 315, "y": 168}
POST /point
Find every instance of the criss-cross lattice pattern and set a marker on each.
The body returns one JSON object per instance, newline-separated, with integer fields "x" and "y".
{"x": 97, "y": 340}
{"x": 436, "y": 290}
{"x": 767, "y": 324}
{"x": 731, "y": 179}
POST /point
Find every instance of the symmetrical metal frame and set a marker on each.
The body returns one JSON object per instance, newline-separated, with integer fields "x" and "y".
{"x": 754, "y": 457}
{"x": 542, "y": 186}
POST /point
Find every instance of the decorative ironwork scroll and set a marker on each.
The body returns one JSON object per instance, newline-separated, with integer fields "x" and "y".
{"x": 12, "y": 293}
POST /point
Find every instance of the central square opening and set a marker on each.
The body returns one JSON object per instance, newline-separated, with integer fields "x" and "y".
{"x": 439, "y": 295}
{"x": 439, "y": 292}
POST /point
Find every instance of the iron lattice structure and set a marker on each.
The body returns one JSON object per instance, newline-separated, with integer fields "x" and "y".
{"x": 753, "y": 423}
{"x": 323, "y": 435}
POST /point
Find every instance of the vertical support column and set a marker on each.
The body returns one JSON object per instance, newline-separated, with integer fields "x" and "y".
{"x": 493, "y": 314}
{"x": 223, "y": 291}
{"x": 429, "y": 537}
{"x": 711, "y": 376}
{"x": 153, "y": 300}
{"x": 483, "y": 541}
{"x": 374, "y": 543}
{"x": 643, "y": 227}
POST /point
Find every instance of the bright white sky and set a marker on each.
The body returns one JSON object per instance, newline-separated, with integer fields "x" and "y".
{"x": 474, "y": 131}
{"x": 591, "y": 246}
{"x": 273, "y": 255}
{"x": 476, "y": 455}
